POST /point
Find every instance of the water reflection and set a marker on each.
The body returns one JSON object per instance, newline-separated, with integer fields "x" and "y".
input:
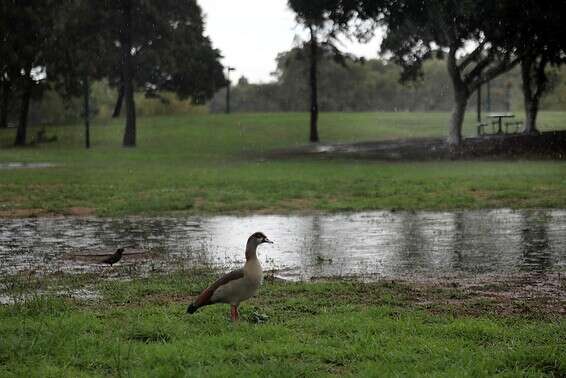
{"x": 535, "y": 245}
{"x": 368, "y": 243}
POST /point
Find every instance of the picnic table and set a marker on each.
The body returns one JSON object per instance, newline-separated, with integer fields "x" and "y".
{"x": 499, "y": 117}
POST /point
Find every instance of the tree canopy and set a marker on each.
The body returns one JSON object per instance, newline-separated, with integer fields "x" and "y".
{"x": 28, "y": 38}
{"x": 537, "y": 34}
{"x": 324, "y": 19}
{"x": 479, "y": 40}
{"x": 469, "y": 33}
{"x": 148, "y": 45}
{"x": 160, "y": 45}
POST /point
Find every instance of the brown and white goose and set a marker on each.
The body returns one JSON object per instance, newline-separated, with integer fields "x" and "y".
{"x": 238, "y": 285}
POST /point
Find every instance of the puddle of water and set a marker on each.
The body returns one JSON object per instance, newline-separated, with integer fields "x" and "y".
{"x": 18, "y": 165}
{"x": 377, "y": 244}
{"x": 80, "y": 294}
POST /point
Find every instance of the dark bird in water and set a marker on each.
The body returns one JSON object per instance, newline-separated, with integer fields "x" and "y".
{"x": 117, "y": 256}
{"x": 238, "y": 285}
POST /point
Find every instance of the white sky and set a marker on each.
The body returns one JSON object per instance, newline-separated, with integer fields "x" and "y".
{"x": 250, "y": 34}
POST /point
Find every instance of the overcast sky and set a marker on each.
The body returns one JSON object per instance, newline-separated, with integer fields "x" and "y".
{"x": 250, "y": 34}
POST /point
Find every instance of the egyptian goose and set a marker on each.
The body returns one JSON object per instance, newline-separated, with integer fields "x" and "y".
{"x": 114, "y": 258}
{"x": 238, "y": 285}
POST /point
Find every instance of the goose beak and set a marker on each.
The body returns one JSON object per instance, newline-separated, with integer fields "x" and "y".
{"x": 266, "y": 240}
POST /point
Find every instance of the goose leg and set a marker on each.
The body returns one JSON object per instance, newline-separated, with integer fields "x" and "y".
{"x": 233, "y": 313}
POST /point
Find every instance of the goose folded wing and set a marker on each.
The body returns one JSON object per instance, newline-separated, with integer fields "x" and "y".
{"x": 204, "y": 298}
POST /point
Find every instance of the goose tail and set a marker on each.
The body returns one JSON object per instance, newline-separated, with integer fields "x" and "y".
{"x": 192, "y": 308}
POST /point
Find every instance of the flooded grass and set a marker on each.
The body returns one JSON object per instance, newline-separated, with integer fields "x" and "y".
{"x": 18, "y": 165}
{"x": 138, "y": 327}
{"x": 368, "y": 245}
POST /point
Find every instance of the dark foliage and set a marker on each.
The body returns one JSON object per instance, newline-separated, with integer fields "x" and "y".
{"x": 138, "y": 45}
{"x": 537, "y": 34}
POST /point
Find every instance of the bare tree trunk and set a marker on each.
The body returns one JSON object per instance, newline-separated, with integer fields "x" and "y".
{"x": 478, "y": 105}
{"x": 461, "y": 96}
{"x": 531, "y": 113}
{"x": 24, "y": 110}
{"x": 534, "y": 81}
{"x": 86, "y": 94}
{"x": 119, "y": 102}
{"x": 313, "y": 86}
{"x": 127, "y": 69}
{"x": 5, "y": 106}
{"x": 228, "y": 96}
{"x": 130, "y": 131}
{"x": 457, "y": 119}
{"x": 526, "y": 66}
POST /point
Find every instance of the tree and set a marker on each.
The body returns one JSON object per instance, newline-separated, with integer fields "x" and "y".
{"x": 537, "y": 34}
{"x": 311, "y": 15}
{"x": 7, "y": 65}
{"x": 313, "y": 47}
{"x": 27, "y": 38}
{"x": 534, "y": 85}
{"x": 323, "y": 19}
{"x": 160, "y": 46}
{"x": 419, "y": 30}
{"x": 80, "y": 36}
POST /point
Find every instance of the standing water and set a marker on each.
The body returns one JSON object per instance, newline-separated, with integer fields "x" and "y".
{"x": 378, "y": 244}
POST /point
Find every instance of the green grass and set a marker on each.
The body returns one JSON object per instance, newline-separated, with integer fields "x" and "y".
{"x": 214, "y": 164}
{"x": 139, "y": 328}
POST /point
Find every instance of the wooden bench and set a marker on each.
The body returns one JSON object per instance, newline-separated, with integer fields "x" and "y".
{"x": 516, "y": 125}
{"x": 481, "y": 128}
{"x": 510, "y": 127}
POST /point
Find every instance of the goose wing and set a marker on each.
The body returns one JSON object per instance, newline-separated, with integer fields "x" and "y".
{"x": 111, "y": 259}
{"x": 204, "y": 298}
{"x": 114, "y": 258}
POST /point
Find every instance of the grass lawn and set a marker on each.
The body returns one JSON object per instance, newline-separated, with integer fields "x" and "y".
{"x": 214, "y": 164}
{"x": 139, "y": 328}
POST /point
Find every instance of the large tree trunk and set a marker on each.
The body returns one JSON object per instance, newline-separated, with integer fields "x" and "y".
{"x": 86, "y": 95}
{"x": 531, "y": 113}
{"x": 461, "y": 95}
{"x": 24, "y": 110}
{"x": 530, "y": 106}
{"x": 119, "y": 102}
{"x": 534, "y": 82}
{"x": 457, "y": 119}
{"x": 313, "y": 86}
{"x": 130, "y": 131}
{"x": 5, "y": 105}
{"x": 127, "y": 69}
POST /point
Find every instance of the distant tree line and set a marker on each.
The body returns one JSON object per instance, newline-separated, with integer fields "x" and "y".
{"x": 354, "y": 84}
{"x": 62, "y": 45}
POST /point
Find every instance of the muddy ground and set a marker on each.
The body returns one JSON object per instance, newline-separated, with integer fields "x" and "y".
{"x": 532, "y": 295}
{"x": 547, "y": 145}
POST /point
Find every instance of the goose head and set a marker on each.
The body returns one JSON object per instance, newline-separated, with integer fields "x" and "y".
{"x": 258, "y": 238}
